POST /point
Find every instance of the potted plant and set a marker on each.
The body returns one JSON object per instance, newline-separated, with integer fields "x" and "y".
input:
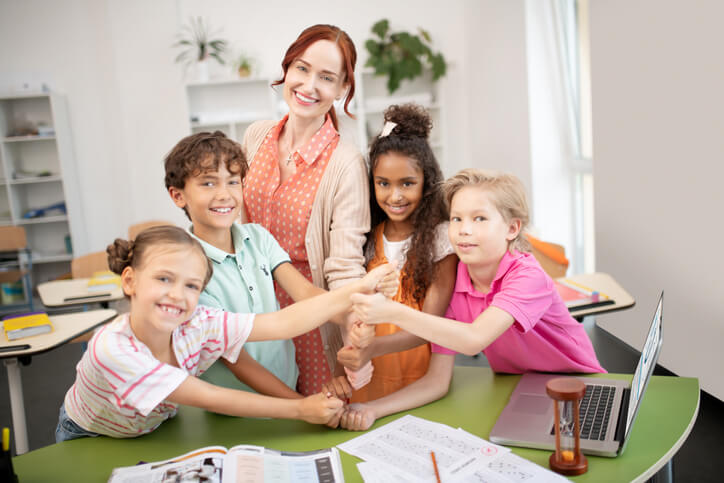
{"x": 199, "y": 44}
{"x": 244, "y": 65}
{"x": 400, "y": 55}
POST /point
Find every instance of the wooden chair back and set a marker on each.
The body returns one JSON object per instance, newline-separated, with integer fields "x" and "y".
{"x": 134, "y": 230}
{"x": 12, "y": 238}
{"x": 87, "y": 265}
{"x": 551, "y": 256}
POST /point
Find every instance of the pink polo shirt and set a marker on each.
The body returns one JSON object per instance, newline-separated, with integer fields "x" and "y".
{"x": 544, "y": 336}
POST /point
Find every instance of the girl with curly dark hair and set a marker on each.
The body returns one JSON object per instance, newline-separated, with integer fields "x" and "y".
{"x": 408, "y": 226}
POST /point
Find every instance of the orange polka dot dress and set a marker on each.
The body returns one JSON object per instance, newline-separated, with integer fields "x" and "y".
{"x": 284, "y": 210}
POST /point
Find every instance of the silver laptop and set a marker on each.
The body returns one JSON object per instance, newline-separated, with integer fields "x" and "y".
{"x": 607, "y": 411}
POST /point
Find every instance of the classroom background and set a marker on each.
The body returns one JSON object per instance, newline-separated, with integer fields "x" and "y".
{"x": 617, "y": 136}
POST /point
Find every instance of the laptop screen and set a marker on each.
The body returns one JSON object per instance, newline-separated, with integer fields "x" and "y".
{"x": 649, "y": 356}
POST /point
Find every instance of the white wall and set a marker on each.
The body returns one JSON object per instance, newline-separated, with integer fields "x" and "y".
{"x": 658, "y": 145}
{"x": 113, "y": 60}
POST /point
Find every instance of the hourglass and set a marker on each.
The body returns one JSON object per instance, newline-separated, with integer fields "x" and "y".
{"x": 567, "y": 393}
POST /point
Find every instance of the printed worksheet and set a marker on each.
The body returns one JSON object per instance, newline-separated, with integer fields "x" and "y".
{"x": 404, "y": 447}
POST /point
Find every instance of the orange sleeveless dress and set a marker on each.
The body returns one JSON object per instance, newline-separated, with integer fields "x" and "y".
{"x": 394, "y": 371}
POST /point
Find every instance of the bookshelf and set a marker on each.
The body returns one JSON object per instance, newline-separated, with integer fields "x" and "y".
{"x": 37, "y": 179}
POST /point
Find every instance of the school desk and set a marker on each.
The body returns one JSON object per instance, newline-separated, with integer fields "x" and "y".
{"x": 62, "y": 293}
{"x": 65, "y": 328}
{"x": 604, "y": 284}
{"x": 476, "y": 398}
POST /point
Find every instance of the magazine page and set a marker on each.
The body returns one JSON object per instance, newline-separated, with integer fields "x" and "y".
{"x": 204, "y": 464}
{"x": 255, "y": 464}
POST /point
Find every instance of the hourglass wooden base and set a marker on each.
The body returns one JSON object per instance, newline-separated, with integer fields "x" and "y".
{"x": 569, "y": 469}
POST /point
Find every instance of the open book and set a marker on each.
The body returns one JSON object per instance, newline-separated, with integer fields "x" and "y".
{"x": 243, "y": 463}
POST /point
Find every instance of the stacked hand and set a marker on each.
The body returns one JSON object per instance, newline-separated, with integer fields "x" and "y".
{"x": 357, "y": 417}
{"x": 321, "y": 408}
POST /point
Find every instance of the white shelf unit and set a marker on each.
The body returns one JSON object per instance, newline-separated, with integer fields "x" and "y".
{"x": 371, "y": 99}
{"x": 232, "y": 105}
{"x": 37, "y": 171}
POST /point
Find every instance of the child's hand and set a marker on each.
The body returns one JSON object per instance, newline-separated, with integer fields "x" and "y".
{"x": 321, "y": 408}
{"x": 360, "y": 335}
{"x": 369, "y": 282}
{"x": 357, "y": 417}
{"x": 371, "y": 309}
{"x": 353, "y": 358}
{"x": 389, "y": 284}
{"x": 338, "y": 387}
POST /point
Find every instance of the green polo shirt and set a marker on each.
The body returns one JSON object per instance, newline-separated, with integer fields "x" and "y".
{"x": 243, "y": 282}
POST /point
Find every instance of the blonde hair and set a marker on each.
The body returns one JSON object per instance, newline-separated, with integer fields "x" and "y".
{"x": 508, "y": 196}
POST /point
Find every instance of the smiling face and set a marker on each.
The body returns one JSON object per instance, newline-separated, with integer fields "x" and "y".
{"x": 212, "y": 199}
{"x": 478, "y": 232}
{"x": 314, "y": 81}
{"x": 398, "y": 185}
{"x": 164, "y": 289}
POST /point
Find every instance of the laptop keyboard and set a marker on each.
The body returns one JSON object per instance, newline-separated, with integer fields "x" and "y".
{"x": 595, "y": 411}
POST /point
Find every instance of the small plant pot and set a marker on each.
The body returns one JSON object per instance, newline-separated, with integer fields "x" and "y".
{"x": 244, "y": 71}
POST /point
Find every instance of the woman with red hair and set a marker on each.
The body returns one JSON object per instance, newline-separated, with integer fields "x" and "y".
{"x": 308, "y": 187}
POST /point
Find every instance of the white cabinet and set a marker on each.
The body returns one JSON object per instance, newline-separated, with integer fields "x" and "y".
{"x": 36, "y": 164}
{"x": 231, "y": 105}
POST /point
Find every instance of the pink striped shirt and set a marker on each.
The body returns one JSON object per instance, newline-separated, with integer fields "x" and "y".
{"x": 120, "y": 387}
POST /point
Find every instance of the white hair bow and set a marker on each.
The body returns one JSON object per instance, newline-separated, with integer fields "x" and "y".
{"x": 387, "y": 128}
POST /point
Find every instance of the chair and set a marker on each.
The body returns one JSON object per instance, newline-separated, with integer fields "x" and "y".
{"x": 134, "y": 230}
{"x": 87, "y": 265}
{"x": 552, "y": 257}
{"x": 16, "y": 264}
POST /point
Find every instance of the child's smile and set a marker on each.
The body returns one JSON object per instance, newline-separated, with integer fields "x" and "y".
{"x": 398, "y": 186}
{"x": 164, "y": 291}
{"x": 478, "y": 232}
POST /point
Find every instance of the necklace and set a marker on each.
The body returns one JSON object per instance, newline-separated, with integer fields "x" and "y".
{"x": 290, "y": 157}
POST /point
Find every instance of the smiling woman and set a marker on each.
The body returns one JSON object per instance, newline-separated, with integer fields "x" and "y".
{"x": 308, "y": 187}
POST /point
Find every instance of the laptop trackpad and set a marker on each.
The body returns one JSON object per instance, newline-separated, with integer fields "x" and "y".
{"x": 532, "y": 404}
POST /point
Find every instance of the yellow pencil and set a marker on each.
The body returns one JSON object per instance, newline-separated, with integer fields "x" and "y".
{"x": 6, "y": 439}
{"x": 589, "y": 289}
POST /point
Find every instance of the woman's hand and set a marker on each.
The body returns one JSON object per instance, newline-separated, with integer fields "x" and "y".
{"x": 338, "y": 387}
{"x": 320, "y": 408}
{"x": 372, "y": 309}
{"x": 357, "y": 417}
{"x": 384, "y": 279}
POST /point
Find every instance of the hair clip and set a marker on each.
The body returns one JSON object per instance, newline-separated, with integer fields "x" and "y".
{"x": 387, "y": 128}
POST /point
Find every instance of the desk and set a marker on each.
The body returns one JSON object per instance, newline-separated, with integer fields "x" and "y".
{"x": 604, "y": 284}
{"x": 65, "y": 328}
{"x": 61, "y": 293}
{"x": 476, "y": 397}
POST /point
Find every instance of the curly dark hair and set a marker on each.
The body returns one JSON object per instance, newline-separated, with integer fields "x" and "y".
{"x": 410, "y": 138}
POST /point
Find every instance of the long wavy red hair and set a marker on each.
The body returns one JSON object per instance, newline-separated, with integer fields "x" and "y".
{"x": 346, "y": 48}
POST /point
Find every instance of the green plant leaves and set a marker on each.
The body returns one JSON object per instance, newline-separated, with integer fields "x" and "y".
{"x": 400, "y": 55}
{"x": 198, "y": 44}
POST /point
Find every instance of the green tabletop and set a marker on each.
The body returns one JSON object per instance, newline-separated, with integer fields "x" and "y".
{"x": 475, "y": 399}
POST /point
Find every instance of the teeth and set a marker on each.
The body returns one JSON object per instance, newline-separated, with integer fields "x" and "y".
{"x": 170, "y": 310}
{"x": 304, "y": 98}
{"x": 221, "y": 210}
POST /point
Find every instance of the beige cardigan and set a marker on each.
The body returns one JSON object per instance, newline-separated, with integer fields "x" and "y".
{"x": 338, "y": 223}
